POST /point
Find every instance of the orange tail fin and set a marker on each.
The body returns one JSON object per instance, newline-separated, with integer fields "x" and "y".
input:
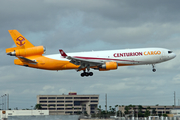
{"x": 19, "y": 39}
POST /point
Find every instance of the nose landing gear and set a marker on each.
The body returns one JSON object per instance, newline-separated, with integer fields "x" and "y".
{"x": 154, "y": 70}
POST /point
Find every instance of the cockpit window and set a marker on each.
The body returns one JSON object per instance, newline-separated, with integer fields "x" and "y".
{"x": 170, "y": 52}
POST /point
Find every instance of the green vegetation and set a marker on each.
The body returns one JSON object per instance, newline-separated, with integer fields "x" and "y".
{"x": 127, "y": 111}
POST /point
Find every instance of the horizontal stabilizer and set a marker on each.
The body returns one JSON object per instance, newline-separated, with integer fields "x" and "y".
{"x": 23, "y": 59}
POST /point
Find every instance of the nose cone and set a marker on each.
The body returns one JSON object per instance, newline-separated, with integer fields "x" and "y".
{"x": 173, "y": 55}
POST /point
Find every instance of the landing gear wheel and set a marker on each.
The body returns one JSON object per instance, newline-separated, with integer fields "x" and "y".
{"x": 91, "y": 73}
{"x": 82, "y": 74}
{"x": 154, "y": 70}
{"x": 87, "y": 74}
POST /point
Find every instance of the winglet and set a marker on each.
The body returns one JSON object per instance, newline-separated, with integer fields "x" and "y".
{"x": 62, "y": 53}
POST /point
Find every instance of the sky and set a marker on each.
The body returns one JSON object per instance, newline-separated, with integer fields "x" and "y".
{"x": 86, "y": 25}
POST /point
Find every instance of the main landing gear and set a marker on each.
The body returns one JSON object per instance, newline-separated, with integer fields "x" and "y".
{"x": 154, "y": 70}
{"x": 86, "y": 74}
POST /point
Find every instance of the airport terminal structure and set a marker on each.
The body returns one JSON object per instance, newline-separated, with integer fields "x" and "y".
{"x": 68, "y": 104}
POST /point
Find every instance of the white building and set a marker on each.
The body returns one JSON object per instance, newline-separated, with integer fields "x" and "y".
{"x": 7, "y": 113}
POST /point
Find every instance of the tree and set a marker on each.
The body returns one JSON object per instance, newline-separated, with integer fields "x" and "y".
{"x": 100, "y": 107}
{"x": 38, "y": 106}
{"x": 165, "y": 109}
{"x": 140, "y": 108}
{"x": 126, "y": 110}
{"x": 140, "y": 114}
{"x": 133, "y": 109}
{"x": 149, "y": 108}
{"x": 154, "y": 111}
{"x": 110, "y": 108}
{"x": 165, "y": 115}
{"x": 115, "y": 109}
{"x": 147, "y": 113}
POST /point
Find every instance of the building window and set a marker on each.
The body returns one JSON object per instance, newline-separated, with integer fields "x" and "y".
{"x": 68, "y": 101}
{"x": 93, "y": 105}
{"x": 77, "y": 98}
{"x": 44, "y": 105}
{"x": 68, "y": 108}
{"x": 92, "y": 108}
{"x": 60, "y": 97}
{"x": 60, "y": 104}
{"x": 43, "y": 108}
{"x": 51, "y": 101}
{"x": 94, "y": 97}
{"x": 77, "y": 103}
{"x": 68, "y": 105}
{"x": 43, "y": 98}
{"x": 60, "y": 108}
{"x": 92, "y": 111}
{"x": 53, "y": 105}
{"x": 60, "y": 101}
{"x": 43, "y": 101}
{"x": 81, "y": 97}
{"x": 51, "y": 97}
{"x": 68, "y": 97}
{"x": 52, "y": 109}
{"x": 94, "y": 101}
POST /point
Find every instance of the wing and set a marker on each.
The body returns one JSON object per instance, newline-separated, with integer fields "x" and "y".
{"x": 83, "y": 63}
{"x": 23, "y": 59}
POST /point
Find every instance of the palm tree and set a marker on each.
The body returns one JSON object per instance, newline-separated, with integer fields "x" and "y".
{"x": 110, "y": 108}
{"x": 133, "y": 110}
{"x": 164, "y": 109}
{"x": 115, "y": 110}
{"x": 149, "y": 108}
{"x": 106, "y": 108}
{"x": 99, "y": 106}
{"x": 127, "y": 108}
{"x": 157, "y": 107}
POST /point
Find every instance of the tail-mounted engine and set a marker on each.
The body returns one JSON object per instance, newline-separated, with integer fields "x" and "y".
{"x": 37, "y": 50}
{"x": 108, "y": 66}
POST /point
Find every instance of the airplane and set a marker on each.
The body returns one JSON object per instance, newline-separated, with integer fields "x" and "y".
{"x": 32, "y": 56}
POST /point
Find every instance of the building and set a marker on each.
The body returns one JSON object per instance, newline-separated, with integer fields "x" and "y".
{"x": 175, "y": 112}
{"x": 69, "y": 104}
{"x": 164, "y": 109}
{"x": 10, "y": 113}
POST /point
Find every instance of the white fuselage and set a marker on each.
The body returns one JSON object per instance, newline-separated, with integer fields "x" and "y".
{"x": 138, "y": 56}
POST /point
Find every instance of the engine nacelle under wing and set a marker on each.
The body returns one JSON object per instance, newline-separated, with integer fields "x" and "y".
{"x": 108, "y": 66}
